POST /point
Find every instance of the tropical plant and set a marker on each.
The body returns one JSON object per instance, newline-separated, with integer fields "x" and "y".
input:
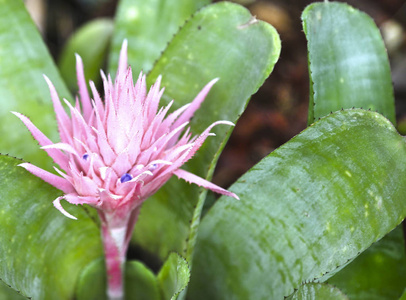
{"x": 317, "y": 218}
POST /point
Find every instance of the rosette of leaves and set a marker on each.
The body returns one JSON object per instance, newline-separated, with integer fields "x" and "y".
{"x": 307, "y": 210}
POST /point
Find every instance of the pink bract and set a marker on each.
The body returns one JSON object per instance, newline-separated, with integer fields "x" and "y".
{"x": 119, "y": 151}
{"x": 116, "y": 153}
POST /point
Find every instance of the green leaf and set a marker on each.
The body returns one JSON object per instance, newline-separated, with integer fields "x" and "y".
{"x": 318, "y": 291}
{"x": 306, "y": 210}
{"x": 23, "y": 60}
{"x": 91, "y": 42}
{"x": 140, "y": 282}
{"x": 221, "y": 40}
{"x": 174, "y": 276}
{"x": 348, "y": 63}
{"x": 403, "y": 297}
{"x": 8, "y": 293}
{"x": 148, "y": 26}
{"x": 41, "y": 251}
{"x": 378, "y": 273}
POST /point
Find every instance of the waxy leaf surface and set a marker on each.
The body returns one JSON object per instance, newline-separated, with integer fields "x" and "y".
{"x": 378, "y": 273}
{"x": 10, "y": 294}
{"x": 306, "y": 210}
{"x": 148, "y": 26}
{"x": 349, "y": 67}
{"x": 220, "y": 41}
{"x": 318, "y": 291}
{"x": 41, "y": 251}
{"x": 91, "y": 42}
{"x": 174, "y": 276}
{"x": 23, "y": 61}
{"x": 348, "y": 63}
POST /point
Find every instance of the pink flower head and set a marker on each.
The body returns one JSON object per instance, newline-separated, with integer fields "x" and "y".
{"x": 116, "y": 153}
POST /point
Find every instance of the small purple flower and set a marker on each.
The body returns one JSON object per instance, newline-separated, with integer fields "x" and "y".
{"x": 126, "y": 177}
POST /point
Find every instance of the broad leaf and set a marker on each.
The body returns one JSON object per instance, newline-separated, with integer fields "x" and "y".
{"x": 91, "y": 42}
{"x": 348, "y": 63}
{"x": 140, "y": 282}
{"x": 306, "y": 210}
{"x": 378, "y": 273}
{"x": 148, "y": 26}
{"x": 41, "y": 251}
{"x": 318, "y": 291}
{"x": 174, "y": 276}
{"x": 8, "y": 293}
{"x": 23, "y": 61}
{"x": 221, "y": 40}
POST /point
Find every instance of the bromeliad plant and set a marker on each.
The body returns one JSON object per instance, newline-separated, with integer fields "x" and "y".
{"x": 306, "y": 211}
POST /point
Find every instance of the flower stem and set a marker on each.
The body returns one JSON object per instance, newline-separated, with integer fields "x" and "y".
{"x": 115, "y": 259}
{"x": 116, "y": 229}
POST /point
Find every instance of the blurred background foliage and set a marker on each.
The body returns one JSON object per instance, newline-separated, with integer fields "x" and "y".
{"x": 278, "y": 111}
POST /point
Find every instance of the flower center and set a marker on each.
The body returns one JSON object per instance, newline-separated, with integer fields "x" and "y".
{"x": 126, "y": 177}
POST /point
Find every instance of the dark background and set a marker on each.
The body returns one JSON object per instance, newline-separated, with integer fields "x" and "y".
{"x": 278, "y": 111}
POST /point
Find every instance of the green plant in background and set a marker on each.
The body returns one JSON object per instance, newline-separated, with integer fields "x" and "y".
{"x": 314, "y": 215}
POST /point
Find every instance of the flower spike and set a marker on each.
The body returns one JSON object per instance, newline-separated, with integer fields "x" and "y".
{"x": 116, "y": 153}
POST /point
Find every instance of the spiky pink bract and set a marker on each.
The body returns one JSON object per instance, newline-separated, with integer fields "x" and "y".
{"x": 117, "y": 152}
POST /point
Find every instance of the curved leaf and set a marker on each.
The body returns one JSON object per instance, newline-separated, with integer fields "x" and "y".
{"x": 23, "y": 60}
{"x": 148, "y": 26}
{"x": 140, "y": 282}
{"x": 378, "y": 273}
{"x": 174, "y": 276}
{"x": 91, "y": 42}
{"x": 41, "y": 251}
{"x": 317, "y": 291}
{"x": 221, "y": 40}
{"x": 348, "y": 63}
{"x": 306, "y": 210}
